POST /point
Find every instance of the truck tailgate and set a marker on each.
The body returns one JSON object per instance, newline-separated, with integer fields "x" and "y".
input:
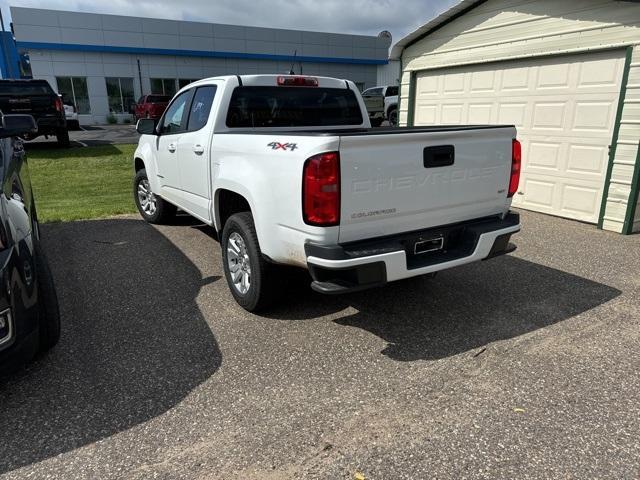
{"x": 411, "y": 180}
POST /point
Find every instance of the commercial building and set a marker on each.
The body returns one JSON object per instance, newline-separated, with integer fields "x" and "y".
{"x": 567, "y": 74}
{"x": 103, "y": 63}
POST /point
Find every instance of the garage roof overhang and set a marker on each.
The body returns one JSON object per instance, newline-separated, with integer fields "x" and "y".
{"x": 438, "y": 22}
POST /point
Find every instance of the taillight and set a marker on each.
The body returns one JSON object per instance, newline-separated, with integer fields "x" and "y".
{"x": 516, "y": 164}
{"x": 297, "y": 82}
{"x": 57, "y": 103}
{"x": 321, "y": 190}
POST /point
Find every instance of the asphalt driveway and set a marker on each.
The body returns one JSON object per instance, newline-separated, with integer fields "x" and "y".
{"x": 526, "y": 366}
{"x": 90, "y": 136}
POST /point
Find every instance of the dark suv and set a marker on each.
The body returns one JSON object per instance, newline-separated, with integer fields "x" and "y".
{"x": 29, "y": 316}
{"x": 36, "y": 98}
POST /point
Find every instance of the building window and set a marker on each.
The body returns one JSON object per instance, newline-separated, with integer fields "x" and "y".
{"x": 74, "y": 91}
{"x": 183, "y": 82}
{"x": 120, "y": 93}
{"x": 163, "y": 86}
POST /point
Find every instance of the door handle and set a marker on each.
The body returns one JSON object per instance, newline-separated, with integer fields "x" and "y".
{"x": 198, "y": 149}
{"x": 171, "y": 147}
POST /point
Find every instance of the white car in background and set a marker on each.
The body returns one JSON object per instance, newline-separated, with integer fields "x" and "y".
{"x": 382, "y": 104}
{"x": 71, "y": 114}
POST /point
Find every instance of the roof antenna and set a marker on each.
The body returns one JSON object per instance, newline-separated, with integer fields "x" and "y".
{"x": 291, "y": 71}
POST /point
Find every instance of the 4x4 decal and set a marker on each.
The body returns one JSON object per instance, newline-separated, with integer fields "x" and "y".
{"x": 283, "y": 146}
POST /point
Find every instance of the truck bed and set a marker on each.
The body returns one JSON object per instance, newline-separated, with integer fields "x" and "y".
{"x": 357, "y": 132}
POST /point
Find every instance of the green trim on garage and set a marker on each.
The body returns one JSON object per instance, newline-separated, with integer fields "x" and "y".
{"x": 627, "y": 229}
{"x": 614, "y": 139}
{"x": 411, "y": 109}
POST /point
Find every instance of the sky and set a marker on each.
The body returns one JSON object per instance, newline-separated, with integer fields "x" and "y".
{"x": 365, "y": 17}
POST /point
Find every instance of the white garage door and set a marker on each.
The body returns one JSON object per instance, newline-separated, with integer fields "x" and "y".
{"x": 564, "y": 108}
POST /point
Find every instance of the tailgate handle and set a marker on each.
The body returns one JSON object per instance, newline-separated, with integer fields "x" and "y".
{"x": 439, "y": 156}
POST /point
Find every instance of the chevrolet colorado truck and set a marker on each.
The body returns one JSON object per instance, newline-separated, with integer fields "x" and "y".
{"x": 288, "y": 171}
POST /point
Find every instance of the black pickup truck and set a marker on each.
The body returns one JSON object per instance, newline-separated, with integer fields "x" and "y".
{"x": 36, "y": 98}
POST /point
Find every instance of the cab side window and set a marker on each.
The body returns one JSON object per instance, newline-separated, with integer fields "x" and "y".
{"x": 201, "y": 107}
{"x": 175, "y": 118}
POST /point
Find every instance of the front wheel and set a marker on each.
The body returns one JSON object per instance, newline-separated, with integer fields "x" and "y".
{"x": 249, "y": 275}
{"x": 152, "y": 208}
{"x": 393, "y": 117}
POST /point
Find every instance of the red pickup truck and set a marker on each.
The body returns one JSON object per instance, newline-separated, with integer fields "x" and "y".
{"x": 151, "y": 106}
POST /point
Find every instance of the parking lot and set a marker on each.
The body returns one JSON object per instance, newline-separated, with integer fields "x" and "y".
{"x": 522, "y": 367}
{"x": 92, "y": 135}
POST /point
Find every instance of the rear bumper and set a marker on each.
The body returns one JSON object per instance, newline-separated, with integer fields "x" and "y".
{"x": 50, "y": 125}
{"x": 360, "y": 265}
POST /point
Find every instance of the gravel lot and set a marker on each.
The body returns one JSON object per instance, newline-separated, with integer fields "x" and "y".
{"x": 526, "y": 366}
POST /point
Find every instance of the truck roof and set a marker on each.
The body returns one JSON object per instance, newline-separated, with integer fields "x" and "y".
{"x": 272, "y": 80}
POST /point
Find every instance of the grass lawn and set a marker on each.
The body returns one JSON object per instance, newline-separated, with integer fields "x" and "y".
{"x": 82, "y": 183}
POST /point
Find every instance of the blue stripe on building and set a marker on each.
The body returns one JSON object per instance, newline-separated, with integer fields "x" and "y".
{"x": 72, "y": 47}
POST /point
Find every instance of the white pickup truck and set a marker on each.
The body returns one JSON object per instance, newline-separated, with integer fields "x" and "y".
{"x": 288, "y": 172}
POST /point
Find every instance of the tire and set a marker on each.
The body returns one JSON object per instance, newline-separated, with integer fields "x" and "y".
{"x": 63, "y": 138}
{"x": 262, "y": 288}
{"x": 376, "y": 122}
{"x": 48, "y": 309}
{"x": 393, "y": 117}
{"x": 162, "y": 212}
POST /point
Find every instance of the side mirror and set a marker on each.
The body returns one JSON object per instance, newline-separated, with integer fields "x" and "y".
{"x": 17, "y": 125}
{"x": 146, "y": 126}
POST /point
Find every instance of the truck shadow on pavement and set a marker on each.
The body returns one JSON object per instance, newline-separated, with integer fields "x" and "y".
{"x": 134, "y": 342}
{"x": 460, "y": 310}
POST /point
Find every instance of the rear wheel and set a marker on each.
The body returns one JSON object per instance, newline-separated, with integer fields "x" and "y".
{"x": 250, "y": 277}
{"x": 63, "y": 138}
{"x": 152, "y": 208}
{"x": 48, "y": 309}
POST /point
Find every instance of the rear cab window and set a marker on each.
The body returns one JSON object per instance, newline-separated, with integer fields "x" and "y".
{"x": 8, "y": 87}
{"x": 373, "y": 91}
{"x": 281, "y": 106}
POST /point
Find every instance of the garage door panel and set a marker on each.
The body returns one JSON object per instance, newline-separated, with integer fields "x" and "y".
{"x": 594, "y": 116}
{"x": 512, "y": 114}
{"x": 515, "y": 79}
{"x": 480, "y": 113}
{"x": 600, "y": 73}
{"x": 537, "y": 192}
{"x": 549, "y": 115}
{"x": 587, "y": 160}
{"x": 544, "y": 155}
{"x": 428, "y": 114}
{"x": 553, "y": 76}
{"x": 564, "y": 108}
{"x": 483, "y": 81}
{"x": 579, "y": 201}
{"x": 454, "y": 83}
{"x": 452, "y": 114}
